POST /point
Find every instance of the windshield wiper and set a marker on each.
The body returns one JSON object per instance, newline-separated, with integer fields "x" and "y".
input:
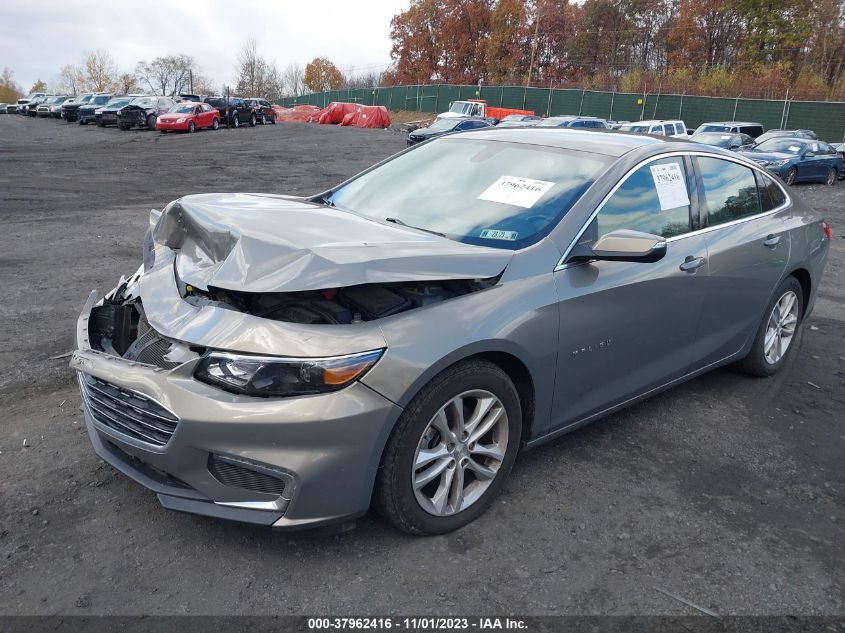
{"x": 410, "y": 226}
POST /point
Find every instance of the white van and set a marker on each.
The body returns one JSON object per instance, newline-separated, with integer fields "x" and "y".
{"x": 675, "y": 128}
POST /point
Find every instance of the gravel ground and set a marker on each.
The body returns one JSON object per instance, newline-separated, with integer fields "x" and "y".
{"x": 728, "y": 491}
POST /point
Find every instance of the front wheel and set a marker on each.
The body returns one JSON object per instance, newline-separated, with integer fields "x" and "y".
{"x": 776, "y": 334}
{"x": 451, "y": 450}
{"x": 831, "y": 177}
{"x": 252, "y": 120}
{"x": 263, "y": 120}
{"x": 191, "y": 127}
{"x": 236, "y": 121}
{"x": 791, "y": 175}
{"x": 151, "y": 122}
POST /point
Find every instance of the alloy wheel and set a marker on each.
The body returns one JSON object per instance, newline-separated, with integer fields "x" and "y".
{"x": 460, "y": 453}
{"x": 791, "y": 175}
{"x": 831, "y": 177}
{"x": 780, "y": 328}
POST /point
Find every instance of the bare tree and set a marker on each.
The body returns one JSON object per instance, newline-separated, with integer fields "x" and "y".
{"x": 168, "y": 75}
{"x": 100, "y": 71}
{"x": 255, "y": 76}
{"x": 292, "y": 80}
{"x": 71, "y": 80}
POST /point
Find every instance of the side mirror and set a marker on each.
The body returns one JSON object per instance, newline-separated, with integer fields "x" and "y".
{"x": 622, "y": 246}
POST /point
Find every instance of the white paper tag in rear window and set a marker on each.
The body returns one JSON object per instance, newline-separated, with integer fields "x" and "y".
{"x": 670, "y": 185}
{"x": 725, "y": 137}
{"x": 495, "y": 234}
{"x": 794, "y": 148}
{"x": 520, "y": 192}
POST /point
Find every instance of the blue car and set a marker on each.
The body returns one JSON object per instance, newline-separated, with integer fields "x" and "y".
{"x": 797, "y": 159}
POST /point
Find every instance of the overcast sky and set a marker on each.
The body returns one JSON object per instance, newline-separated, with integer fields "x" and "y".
{"x": 38, "y": 38}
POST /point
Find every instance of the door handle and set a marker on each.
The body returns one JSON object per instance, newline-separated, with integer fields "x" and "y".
{"x": 772, "y": 241}
{"x": 691, "y": 264}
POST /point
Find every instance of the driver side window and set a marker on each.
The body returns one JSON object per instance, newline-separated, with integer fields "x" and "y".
{"x": 654, "y": 199}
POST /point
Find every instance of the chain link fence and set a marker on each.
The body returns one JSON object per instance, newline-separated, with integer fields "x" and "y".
{"x": 827, "y": 118}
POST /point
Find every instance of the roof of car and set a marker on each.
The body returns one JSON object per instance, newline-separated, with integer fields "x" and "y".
{"x": 730, "y": 123}
{"x": 609, "y": 142}
{"x": 654, "y": 121}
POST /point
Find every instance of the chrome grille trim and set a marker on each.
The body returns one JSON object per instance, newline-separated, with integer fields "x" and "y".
{"x": 143, "y": 420}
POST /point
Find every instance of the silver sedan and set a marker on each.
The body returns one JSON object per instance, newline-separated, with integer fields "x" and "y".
{"x": 399, "y": 338}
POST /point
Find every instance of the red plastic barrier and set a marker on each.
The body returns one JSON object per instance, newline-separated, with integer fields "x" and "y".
{"x": 367, "y": 116}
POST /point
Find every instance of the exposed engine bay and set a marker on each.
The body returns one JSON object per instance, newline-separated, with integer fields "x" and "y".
{"x": 354, "y": 304}
{"x": 119, "y": 325}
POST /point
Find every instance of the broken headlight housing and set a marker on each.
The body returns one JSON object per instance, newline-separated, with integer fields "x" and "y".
{"x": 273, "y": 376}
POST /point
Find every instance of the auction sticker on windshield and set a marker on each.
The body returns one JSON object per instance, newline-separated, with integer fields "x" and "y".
{"x": 670, "y": 185}
{"x": 519, "y": 192}
{"x": 494, "y": 234}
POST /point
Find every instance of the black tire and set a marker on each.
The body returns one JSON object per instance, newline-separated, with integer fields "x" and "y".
{"x": 791, "y": 175}
{"x": 81, "y": 122}
{"x": 394, "y": 496}
{"x": 151, "y": 122}
{"x": 832, "y": 175}
{"x": 236, "y": 120}
{"x": 273, "y": 119}
{"x": 263, "y": 120}
{"x": 123, "y": 126}
{"x": 755, "y": 363}
{"x": 163, "y": 131}
{"x": 215, "y": 124}
{"x": 252, "y": 120}
{"x": 191, "y": 127}
{"x": 101, "y": 124}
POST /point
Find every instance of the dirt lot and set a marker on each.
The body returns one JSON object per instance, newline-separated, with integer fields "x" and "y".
{"x": 728, "y": 491}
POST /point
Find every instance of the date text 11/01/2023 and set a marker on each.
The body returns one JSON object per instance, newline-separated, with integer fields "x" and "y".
{"x": 422, "y": 623}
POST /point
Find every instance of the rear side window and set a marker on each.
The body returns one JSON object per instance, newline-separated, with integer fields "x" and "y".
{"x": 771, "y": 195}
{"x": 654, "y": 199}
{"x": 730, "y": 190}
{"x": 751, "y": 130}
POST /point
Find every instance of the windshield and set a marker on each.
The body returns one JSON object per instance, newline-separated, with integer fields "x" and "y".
{"x": 489, "y": 193}
{"x": 784, "y": 145}
{"x": 712, "y": 138}
{"x": 713, "y": 127}
{"x": 442, "y": 125}
{"x": 185, "y": 108}
{"x": 639, "y": 129}
{"x": 555, "y": 121}
{"x": 461, "y": 107}
{"x": 143, "y": 102}
{"x": 117, "y": 103}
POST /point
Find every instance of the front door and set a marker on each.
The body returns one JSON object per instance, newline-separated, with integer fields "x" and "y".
{"x": 627, "y": 328}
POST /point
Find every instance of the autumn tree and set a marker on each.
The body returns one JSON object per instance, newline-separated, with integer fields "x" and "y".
{"x": 38, "y": 86}
{"x": 10, "y": 91}
{"x": 508, "y": 44}
{"x": 100, "y": 71}
{"x": 321, "y": 74}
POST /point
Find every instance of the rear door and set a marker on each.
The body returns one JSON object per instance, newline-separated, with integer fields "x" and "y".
{"x": 748, "y": 248}
{"x": 627, "y": 328}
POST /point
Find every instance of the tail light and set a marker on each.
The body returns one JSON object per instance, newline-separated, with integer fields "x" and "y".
{"x": 826, "y": 228}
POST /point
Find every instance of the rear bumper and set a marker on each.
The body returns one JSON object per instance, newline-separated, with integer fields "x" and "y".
{"x": 326, "y": 449}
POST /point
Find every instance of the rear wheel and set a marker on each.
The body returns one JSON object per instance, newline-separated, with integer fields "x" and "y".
{"x": 252, "y": 120}
{"x": 263, "y": 120}
{"x": 215, "y": 124}
{"x": 831, "y": 177}
{"x": 273, "y": 119}
{"x": 791, "y": 175}
{"x": 191, "y": 127}
{"x": 236, "y": 121}
{"x": 451, "y": 450}
{"x": 776, "y": 334}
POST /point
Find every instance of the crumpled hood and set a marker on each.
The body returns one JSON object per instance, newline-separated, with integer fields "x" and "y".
{"x": 267, "y": 243}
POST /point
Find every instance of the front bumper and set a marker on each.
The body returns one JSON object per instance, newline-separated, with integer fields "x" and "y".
{"x": 86, "y": 116}
{"x": 70, "y": 114}
{"x": 325, "y": 448}
{"x": 172, "y": 126}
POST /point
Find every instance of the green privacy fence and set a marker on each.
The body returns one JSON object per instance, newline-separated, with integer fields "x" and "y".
{"x": 827, "y": 118}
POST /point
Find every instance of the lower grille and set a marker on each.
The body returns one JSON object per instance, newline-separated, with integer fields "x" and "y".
{"x": 229, "y": 472}
{"x": 108, "y": 116}
{"x": 127, "y": 412}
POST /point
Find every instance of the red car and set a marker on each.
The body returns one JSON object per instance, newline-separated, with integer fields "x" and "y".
{"x": 188, "y": 116}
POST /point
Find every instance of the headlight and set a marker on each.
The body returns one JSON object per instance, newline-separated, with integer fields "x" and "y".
{"x": 180, "y": 120}
{"x": 279, "y": 376}
{"x": 779, "y": 163}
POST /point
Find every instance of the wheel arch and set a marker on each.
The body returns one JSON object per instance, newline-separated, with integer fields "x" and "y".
{"x": 805, "y": 279}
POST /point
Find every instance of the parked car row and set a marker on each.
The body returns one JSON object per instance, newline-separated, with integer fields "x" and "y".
{"x": 793, "y": 155}
{"x": 185, "y": 113}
